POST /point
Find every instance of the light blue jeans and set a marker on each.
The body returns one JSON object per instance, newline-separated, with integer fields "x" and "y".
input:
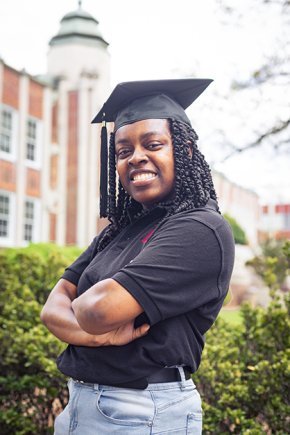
{"x": 162, "y": 408}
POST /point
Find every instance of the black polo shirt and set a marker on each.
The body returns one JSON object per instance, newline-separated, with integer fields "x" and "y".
{"x": 178, "y": 271}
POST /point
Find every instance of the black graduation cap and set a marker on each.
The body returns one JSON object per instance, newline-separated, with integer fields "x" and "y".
{"x": 134, "y": 101}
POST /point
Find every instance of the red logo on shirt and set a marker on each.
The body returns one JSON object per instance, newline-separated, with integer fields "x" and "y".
{"x": 148, "y": 235}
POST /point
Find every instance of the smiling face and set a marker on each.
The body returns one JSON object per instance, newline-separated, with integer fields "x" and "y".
{"x": 145, "y": 161}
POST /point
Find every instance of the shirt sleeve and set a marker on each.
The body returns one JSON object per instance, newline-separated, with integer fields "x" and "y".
{"x": 73, "y": 272}
{"x": 177, "y": 271}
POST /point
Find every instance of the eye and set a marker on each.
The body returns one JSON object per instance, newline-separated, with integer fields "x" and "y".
{"x": 123, "y": 153}
{"x": 153, "y": 145}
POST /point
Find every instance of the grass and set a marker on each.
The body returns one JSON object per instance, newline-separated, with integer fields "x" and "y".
{"x": 231, "y": 316}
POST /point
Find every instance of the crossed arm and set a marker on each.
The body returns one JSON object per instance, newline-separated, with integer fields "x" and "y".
{"x": 104, "y": 315}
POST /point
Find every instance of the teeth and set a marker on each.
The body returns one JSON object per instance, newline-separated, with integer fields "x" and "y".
{"x": 144, "y": 176}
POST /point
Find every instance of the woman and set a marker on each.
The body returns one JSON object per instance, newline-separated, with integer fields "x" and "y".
{"x": 135, "y": 306}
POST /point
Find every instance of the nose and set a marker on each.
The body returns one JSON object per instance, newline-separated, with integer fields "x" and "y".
{"x": 138, "y": 156}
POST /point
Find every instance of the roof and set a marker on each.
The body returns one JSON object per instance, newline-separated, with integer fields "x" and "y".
{"x": 78, "y": 26}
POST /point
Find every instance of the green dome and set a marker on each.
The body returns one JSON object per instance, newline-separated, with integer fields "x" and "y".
{"x": 78, "y": 26}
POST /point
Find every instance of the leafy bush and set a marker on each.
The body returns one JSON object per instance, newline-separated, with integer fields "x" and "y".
{"x": 29, "y": 380}
{"x": 244, "y": 377}
{"x": 238, "y": 232}
{"x": 273, "y": 264}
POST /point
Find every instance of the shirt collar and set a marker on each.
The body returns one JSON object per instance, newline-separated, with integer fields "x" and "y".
{"x": 152, "y": 213}
{"x": 160, "y": 210}
{"x": 211, "y": 204}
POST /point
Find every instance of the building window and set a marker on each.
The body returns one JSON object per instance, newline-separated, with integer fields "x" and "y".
{"x": 28, "y": 220}
{"x": 31, "y": 140}
{"x": 4, "y": 215}
{"x": 31, "y": 220}
{"x": 6, "y": 131}
{"x": 34, "y": 143}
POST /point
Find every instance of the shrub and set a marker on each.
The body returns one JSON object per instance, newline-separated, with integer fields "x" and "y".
{"x": 29, "y": 380}
{"x": 238, "y": 232}
{"x": 244, "y": 377}
{"x": 273, "y": 264}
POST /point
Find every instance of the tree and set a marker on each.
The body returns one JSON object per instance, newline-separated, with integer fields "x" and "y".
{"x": 269, "y": 82}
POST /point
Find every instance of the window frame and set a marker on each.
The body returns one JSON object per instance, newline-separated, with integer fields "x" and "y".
{"x": 35, "y": 141}
{"x": 11, "y": 154}
{"x": 8, "y": 239}
{"x": 33, "y": 221}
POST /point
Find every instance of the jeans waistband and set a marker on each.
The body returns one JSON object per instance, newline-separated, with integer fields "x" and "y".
{"x": 165, "y": 375}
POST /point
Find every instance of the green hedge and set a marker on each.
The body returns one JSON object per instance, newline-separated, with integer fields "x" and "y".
{"x": 243, "y": 377}
{"x": 238, "y": 232}
{"x": 29, "y": 380}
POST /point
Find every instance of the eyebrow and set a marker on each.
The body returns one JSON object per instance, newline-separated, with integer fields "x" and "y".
{"x": 143, "y": 136}
{"x": 150, "y": 133}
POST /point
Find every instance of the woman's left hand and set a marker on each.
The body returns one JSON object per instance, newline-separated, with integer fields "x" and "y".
{"x": 123, "y": 335}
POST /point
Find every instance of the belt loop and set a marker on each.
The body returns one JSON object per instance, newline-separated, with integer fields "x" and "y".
{"x": 182, "y": 377}
{"x": 88, "y": 384}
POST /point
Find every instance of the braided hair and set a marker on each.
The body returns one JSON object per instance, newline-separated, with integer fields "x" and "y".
{"x": 193, "y": 183}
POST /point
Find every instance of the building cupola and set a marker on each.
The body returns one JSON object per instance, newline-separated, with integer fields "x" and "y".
{"x": 78, "y": 48}
{"x": 78, "y": 27}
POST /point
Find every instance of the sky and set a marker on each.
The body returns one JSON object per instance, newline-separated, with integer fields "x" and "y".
{"x": 156, "y": 39}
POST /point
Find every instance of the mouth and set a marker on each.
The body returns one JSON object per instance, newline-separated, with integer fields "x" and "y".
{"x": 142, "y": 178}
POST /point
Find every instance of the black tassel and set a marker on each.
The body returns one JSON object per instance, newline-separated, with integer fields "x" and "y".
{"x": 104, "y": 172}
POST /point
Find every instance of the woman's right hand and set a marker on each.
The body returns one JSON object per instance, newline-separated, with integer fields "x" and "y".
{"x": 123, "y": 335}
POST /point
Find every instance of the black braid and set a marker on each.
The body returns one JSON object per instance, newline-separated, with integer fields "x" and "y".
{"x": 112, "y": 178}
{"x": 193, "y": 183}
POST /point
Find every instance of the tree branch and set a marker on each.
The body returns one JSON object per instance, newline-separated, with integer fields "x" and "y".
{"x": 274, "y": 130}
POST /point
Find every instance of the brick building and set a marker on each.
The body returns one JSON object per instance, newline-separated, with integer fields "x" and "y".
{"x": 240, "y": 203}
{"x": 275, "y": 222}
{"x": 49, "y": 165}
{"x": 25, "y": 113}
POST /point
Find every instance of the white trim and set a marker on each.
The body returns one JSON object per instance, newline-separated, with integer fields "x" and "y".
{"x": 45, "y": 172}
{"x": 62, "y": 162}
{"x": 21, "y": 175}
{"x": 1, "y": 78}
{"x": 54, "y": 149}
{"x": 36, "y": 221}
{"x": 37, "y": 163}
{"x": 82, "y": 170}
{"x": 11, "y": 155}
{"x": 94, "y": 173}
{"x": 9, "y": 240}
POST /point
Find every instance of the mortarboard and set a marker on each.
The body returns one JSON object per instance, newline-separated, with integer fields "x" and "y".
{"x": 134, "y": 101}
